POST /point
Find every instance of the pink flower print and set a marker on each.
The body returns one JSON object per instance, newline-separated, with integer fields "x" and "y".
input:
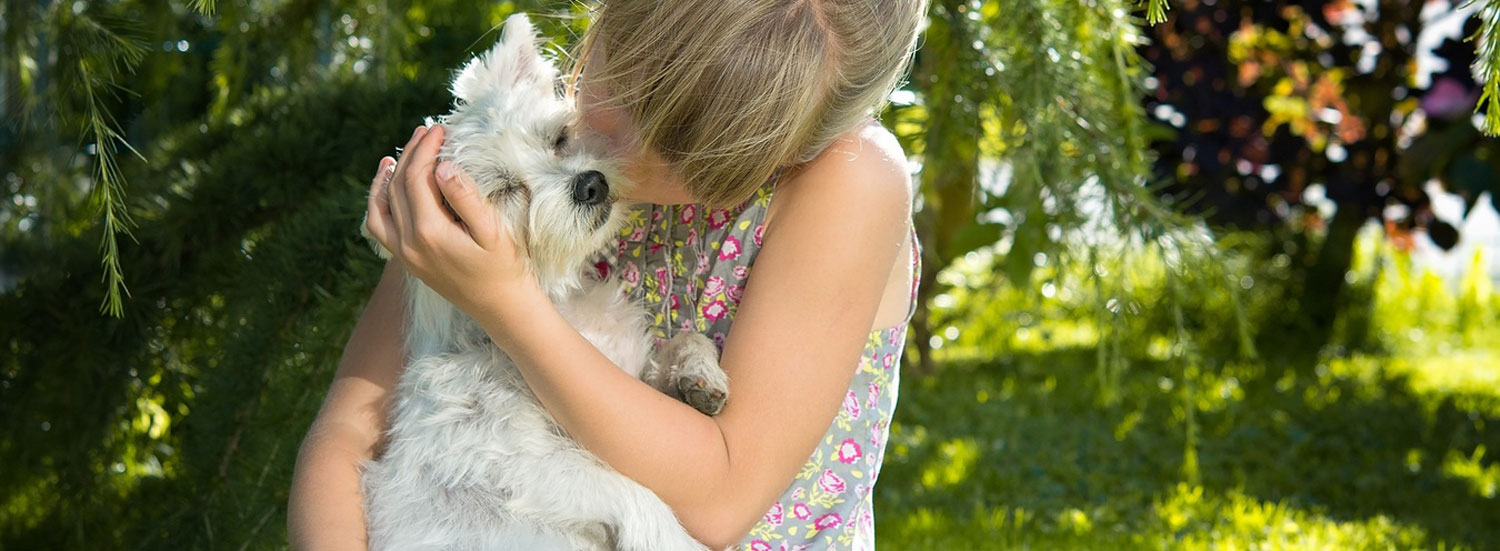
{"x": 715, "y": 310}
{"x": 717, "y": 218}
{"x": 661, "y": 278}
{"x": 800, "y": 510}
{"x": 872, "y": 395}
{"x": 773, "y": 517}
{"x": 702, "y": 262}
{"x": 827, "y": 521}
{"x": 759, "y": 228}
{"x": 798, "y": 494}
{"x": 860, "y": 490}
{"x": 848, "y": 451}
{"x": 638, "y": 234}
{"x": 760, "y": 545}
{"x": 730, "y": 249}
{"x": 740, "y": 272}
{"x": 719, "y": 339}
{"x": 892, "y": 338}
{"x": 831, "y": 482}
{"x": 688, "y": 212}
{"x": 876, "y": 435}
{"x": 601, "y": 268}
{"x": 851, "y": 405}
{"x": 655, "y": 215}
{"x": 631, "y": 274}
{"x": 735, "y": 292}
{"x": 713, "y": 287}
{"x": 672, "y": 300}
{"x": 869, "y": 458}
{"x": 692, "y": 237}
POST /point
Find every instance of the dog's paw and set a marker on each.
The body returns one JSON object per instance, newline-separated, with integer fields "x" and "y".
{"x": 695, "y": 373}
{"x": 696, "y": 391}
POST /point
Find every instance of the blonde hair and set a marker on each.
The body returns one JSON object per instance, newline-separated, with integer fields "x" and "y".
{"x": 730, "y": 92}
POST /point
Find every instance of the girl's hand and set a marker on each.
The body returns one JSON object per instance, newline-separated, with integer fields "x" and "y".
{"x": 465, "y": 256}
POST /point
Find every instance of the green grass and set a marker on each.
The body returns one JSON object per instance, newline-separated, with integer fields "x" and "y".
{"x": 1017, "y": 453}
{"x": 1386, "y": 443}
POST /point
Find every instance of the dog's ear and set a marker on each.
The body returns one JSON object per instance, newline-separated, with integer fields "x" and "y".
{"x": 514, "y": 61}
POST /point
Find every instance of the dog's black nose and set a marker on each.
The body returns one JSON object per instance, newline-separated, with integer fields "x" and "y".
{"x": 590, "y": 188}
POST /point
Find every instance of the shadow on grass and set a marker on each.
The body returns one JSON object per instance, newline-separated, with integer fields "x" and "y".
{"x": 1027, "y": 437}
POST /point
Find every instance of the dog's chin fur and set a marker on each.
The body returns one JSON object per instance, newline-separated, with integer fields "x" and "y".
{"x": 472, "y": 459}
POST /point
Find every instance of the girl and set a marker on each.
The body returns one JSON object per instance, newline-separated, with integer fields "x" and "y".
{"x": 718, "y": 108}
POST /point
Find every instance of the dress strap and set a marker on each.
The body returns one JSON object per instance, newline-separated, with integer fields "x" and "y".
{"x": 916, "y": 271}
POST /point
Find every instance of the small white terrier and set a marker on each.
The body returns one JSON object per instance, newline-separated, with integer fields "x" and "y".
{"x": 472, "y": 460}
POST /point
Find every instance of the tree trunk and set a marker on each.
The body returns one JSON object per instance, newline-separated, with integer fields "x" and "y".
{"x": 1325, "y": 278}
{"x": 945, "y": 69}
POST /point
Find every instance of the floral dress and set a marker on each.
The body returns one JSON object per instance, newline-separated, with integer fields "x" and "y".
{"x": 689, "y": 266}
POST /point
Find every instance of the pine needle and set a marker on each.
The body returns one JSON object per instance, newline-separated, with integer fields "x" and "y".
{"x": 106, "y": 54}
{"x": 1156, "y": 11}
{"x": 1486, "y": 66}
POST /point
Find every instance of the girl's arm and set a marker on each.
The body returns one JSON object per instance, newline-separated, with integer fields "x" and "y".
{"x": 791, "y": 353}
{"x": 326, "y": 510}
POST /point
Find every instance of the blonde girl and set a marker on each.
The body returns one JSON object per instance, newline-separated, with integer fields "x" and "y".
{"x": 749, "y": 128}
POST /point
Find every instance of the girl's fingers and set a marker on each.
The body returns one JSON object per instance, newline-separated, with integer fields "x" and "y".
{"x": 426, "y": 201}
{"x": 377, "y": 208}
{"x": 472, "y": 210}
{"x": 424, "y": 154}
{"x": 380, "y": 186}
{"x": 401, "y": 214}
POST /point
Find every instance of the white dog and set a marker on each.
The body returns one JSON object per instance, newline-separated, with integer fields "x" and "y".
{"x": 472, "y": 460}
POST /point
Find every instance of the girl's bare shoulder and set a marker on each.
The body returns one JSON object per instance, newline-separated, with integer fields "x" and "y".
{"x": 866, "y": 164}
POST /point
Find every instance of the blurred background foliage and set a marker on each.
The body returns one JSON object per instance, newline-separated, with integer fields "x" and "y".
{"x": 1176, "y": 275}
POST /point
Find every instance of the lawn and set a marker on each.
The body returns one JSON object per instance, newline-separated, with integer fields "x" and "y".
{"x": 1376, "y": 447}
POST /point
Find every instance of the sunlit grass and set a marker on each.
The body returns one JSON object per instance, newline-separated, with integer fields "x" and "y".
{"x": 1382, "y": 441}
{"x": 1186, "y": 518}
{"x": 1481, "y": 475}
{"x": 1189, "y": 517}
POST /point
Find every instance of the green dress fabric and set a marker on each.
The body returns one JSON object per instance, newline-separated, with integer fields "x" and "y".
{"x": 689, "y": 265}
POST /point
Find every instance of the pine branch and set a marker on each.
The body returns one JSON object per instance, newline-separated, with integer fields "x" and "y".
{"x": 104, "y": 53}
{"x": 1156, "y": 11}
{"x": 205, "y": 7}
{"x": 1486, "y": 66}
{"x": 109, "y": 194}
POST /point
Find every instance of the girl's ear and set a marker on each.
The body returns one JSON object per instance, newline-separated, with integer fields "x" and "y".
{"x": 513, "y": 62}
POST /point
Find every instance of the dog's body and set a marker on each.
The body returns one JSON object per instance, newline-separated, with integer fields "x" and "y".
{"x": 472, "y": 460}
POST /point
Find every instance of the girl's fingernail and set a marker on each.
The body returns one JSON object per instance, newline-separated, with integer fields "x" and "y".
{"x": 416, "y": 131}
{"x": 445, "y": 170}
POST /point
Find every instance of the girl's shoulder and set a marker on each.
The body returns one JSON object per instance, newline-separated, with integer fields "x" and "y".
{"x": 865, "y": 164}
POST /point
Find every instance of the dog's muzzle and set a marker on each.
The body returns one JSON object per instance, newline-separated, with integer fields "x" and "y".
{"x": 590, "y": 188}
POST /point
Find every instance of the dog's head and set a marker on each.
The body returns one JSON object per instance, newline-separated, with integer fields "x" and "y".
{"x": 511, "y": 131}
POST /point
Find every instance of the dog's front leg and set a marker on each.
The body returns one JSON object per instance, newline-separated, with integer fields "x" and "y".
{"x": 687, "y": 368}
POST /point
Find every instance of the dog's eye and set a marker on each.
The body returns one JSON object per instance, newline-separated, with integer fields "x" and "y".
{"x": 560, "y": 141}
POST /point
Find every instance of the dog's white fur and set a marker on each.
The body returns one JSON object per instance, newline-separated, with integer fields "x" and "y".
{"x": 472, "y": 460}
